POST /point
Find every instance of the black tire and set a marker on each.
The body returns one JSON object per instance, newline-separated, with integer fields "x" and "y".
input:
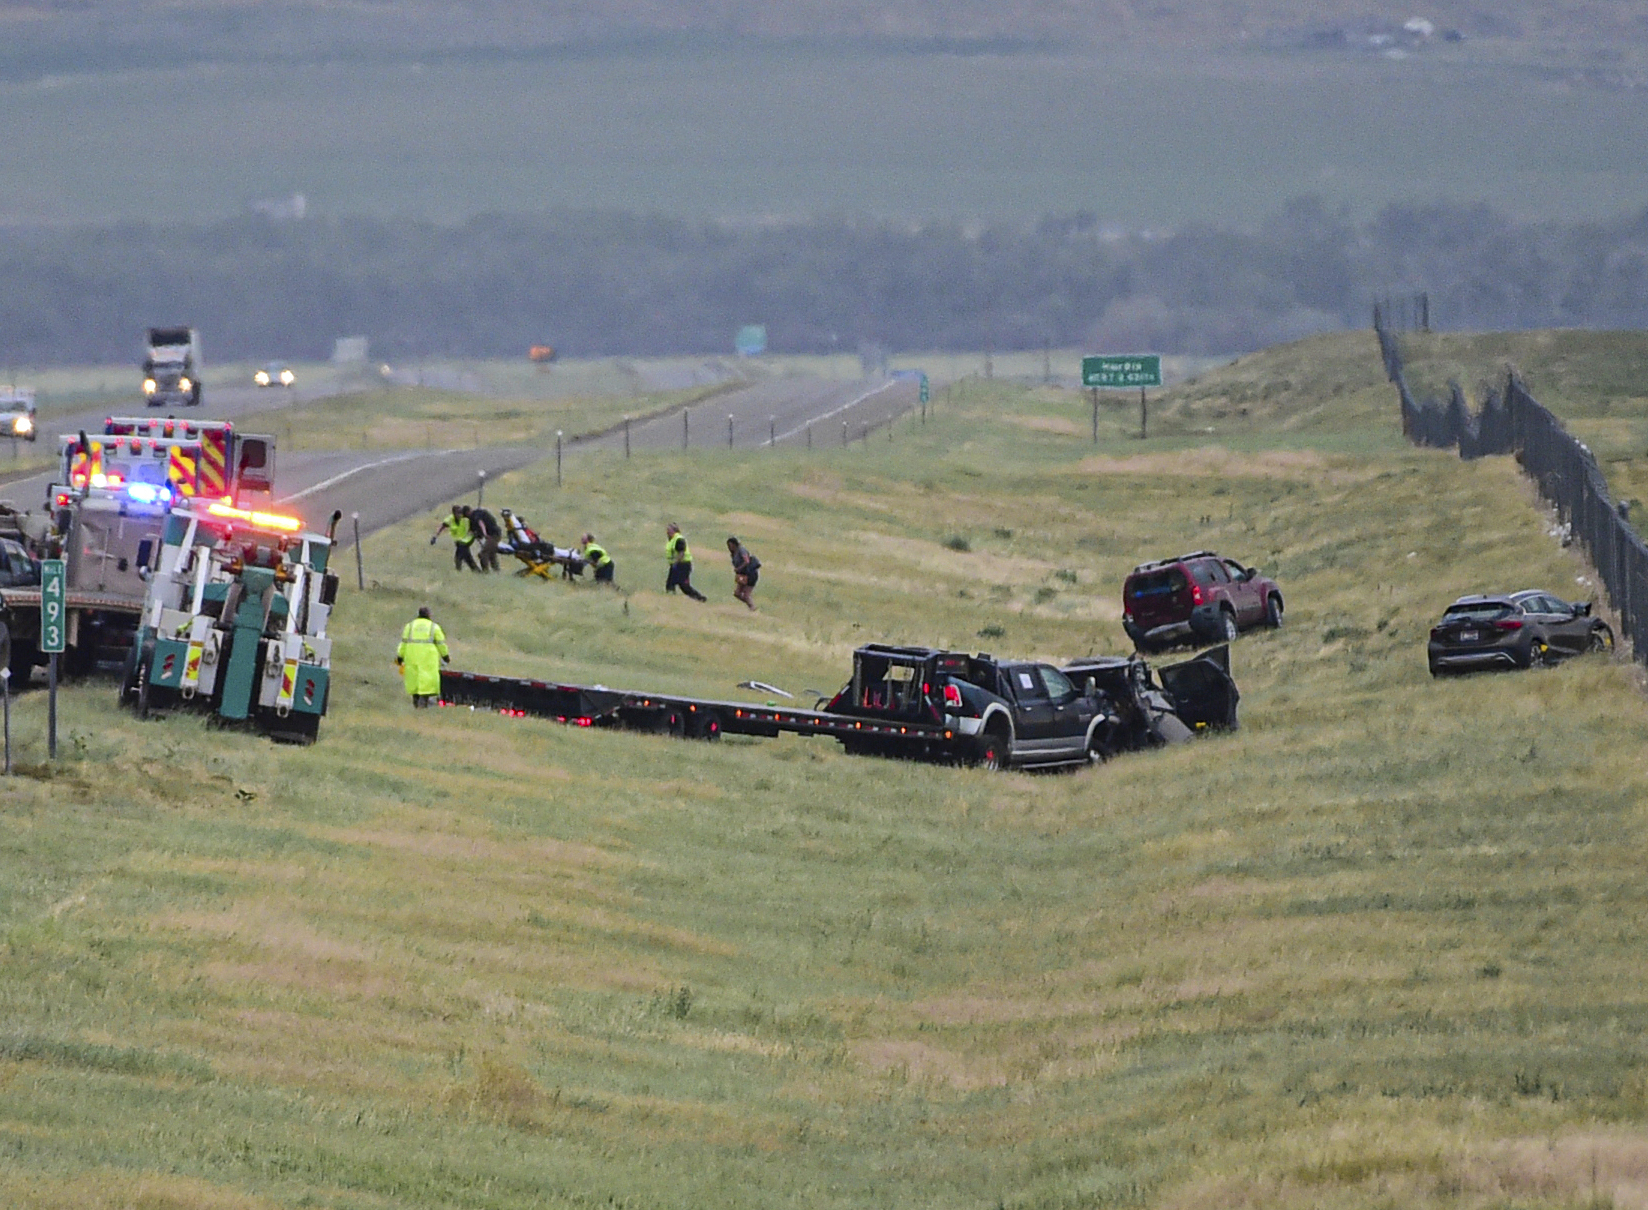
{"x": 1101, "y": 744}
{"x": 295, "y": 728}
{"x": 141, "y": 694}
{"x": 1602, "y": 637}
{"x": 991, "y": 752}
{"x": 1539, "y": 655}
{"x": 23, "y": 656}
{"x": 705, "y": 725}
{"x": 1438, "y": 671}
{"x": 1273, "y": 611}
{"x": 1227, "y": 623}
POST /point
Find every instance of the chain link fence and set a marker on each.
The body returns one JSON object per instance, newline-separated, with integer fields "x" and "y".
{"x": 1512, "y": 421}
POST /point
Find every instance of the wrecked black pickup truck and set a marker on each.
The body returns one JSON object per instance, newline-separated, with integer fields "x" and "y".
{"x": 920, "y": 703}
{"x": 1019, "y": 714}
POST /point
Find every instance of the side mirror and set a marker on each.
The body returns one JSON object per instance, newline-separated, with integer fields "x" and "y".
{"x": 1582, "y": 609}
{"x": 1247, "y": 574}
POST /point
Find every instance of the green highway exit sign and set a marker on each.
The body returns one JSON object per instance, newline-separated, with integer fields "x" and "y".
{"x": 1144, "y": 370}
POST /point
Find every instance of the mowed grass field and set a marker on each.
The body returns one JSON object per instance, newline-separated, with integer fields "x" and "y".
{"x": 1380, "y": 947}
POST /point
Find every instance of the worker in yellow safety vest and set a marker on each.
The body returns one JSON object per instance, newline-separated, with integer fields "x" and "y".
{"x": 420, "y": 656}
{"x": 463, "y": 535}
{"x": 679, "y": 555}
{"x": 596, "y": 556}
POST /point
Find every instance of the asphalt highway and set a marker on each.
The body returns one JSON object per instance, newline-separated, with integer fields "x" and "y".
{"x": 388, "y": 486}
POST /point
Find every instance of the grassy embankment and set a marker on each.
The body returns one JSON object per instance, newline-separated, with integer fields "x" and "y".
{"x": 1380, "y": 947}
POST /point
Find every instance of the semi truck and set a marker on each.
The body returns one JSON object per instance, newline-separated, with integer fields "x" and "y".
{"x": 172, "y": 368}
{"x": 105, "y": 514}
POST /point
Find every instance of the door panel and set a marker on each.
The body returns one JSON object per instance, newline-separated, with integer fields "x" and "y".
{"x": 1035, "y": 711}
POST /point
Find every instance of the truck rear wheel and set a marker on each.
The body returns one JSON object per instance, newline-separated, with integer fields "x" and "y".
{"x": 991, "y": 751}
{"x": 23, "y": 655}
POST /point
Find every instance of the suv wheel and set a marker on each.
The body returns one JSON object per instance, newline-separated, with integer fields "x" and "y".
{"x": 1227, "y": 623}
{"x": 1273, "y": 611}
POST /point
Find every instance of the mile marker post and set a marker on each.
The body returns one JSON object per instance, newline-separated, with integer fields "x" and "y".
{"x": 53, "y": 633}
{"x": 360, "y": 564}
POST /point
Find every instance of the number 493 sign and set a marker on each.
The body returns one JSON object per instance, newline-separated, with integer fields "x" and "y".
{"x": 53, "y": 606}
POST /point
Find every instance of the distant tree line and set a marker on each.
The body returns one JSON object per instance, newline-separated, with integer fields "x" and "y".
{"x": 607, "y": 283}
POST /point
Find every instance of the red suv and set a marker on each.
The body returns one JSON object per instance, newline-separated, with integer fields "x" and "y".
{"x": 1196, "y": 597}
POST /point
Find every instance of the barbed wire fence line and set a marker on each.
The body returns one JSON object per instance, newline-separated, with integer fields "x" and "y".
{"x": 1565, "y": 472}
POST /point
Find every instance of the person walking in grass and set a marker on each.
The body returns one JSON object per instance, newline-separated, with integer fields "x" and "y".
{"x": 680, "y": 562}
{"x": 746, "y": 570}
{"x": 420, "y": 655}
{"x": 457, "y": 524}
{"x": 484, "y": 526}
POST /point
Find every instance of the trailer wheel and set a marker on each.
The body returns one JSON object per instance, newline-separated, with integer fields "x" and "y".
{"x": 706, "y": 726}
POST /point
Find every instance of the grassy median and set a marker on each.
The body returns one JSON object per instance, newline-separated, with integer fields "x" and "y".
{"x": 1381, "y": 946}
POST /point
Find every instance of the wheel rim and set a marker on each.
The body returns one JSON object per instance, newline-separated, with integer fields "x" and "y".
{"x": 1230, "y": 627}
{"x": 990, "y": 758}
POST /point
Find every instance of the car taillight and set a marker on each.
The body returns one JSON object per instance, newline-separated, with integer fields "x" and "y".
{"x": 1507, "y": 624}
{"x": 952, "y": 696}
{"x": 1436, "y": 633}
{"x": 1195, "y": 594}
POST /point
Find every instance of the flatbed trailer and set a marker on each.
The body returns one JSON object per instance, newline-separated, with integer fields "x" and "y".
{"x": 693, "y": 718}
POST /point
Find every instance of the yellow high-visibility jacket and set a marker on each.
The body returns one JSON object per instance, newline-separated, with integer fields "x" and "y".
{"x": 423, "y": 647}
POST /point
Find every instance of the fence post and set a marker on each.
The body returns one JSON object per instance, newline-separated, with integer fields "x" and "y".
{"x": 685, "y": 413}
{"x": 557, "y": 457}
{"x": 626, "y": 438}
{"x": 729, "y": 430}
{"x": 360, "y": 565}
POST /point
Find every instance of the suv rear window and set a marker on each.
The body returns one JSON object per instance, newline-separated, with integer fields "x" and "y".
{"x": 1150, "y": 584}
{"x": 1478, "y": 611}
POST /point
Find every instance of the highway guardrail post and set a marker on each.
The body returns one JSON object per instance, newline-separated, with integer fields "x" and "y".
{"x": 360, "y": 565}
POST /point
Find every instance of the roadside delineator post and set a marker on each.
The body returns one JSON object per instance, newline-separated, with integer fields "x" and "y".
{"x": 626, "y": 438}
{"x": 729, "y": 430}
{"x": 480, "y": 489}
{"x": 843, "y": 433}
{"x": 558, "y": 457}
{"x": 5, "y": 690}
{"x": 360, "y": 563}
{"x": 685, "y": 414}
{"x": 1095, "y": 415}
{"x": 772, "y": 430}
{"x": 809, "y": 434}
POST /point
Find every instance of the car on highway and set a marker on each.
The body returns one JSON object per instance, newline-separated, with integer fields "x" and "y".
{"x": 1200, "y": 597}
{"x": 275, "y": 374}
{"x": 1514, "y": 630}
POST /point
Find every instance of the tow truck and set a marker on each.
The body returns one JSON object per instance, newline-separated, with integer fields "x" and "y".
{"x": 17, "y": 413}
{"x": 234, "y": 621}
{"x": 107, "y": 507}
{"x": 920, "y": 703}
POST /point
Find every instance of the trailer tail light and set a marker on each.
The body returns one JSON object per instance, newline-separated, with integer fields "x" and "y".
{"x": 952, "y": 696}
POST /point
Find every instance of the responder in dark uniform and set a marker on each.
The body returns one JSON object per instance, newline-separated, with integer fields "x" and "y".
{"x": 746, "y": 570}
{"x": 420, "y": 655}
{"x": 458, "y": 526}
{"x": 596, "y": 556}
{"x": 680, "y": 562}
{"x": 486, "y": 529}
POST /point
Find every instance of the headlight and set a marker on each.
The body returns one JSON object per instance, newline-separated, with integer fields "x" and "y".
{"x": 183, "y": 384}
{"x": 287, "y": 378}
{"x": 148, "y": 386}
{"x": 261, "y": 378}
{"x": 22, "y": 425}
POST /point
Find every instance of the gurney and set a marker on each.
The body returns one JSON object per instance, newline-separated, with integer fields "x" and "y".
{"x": 538, "y": 557}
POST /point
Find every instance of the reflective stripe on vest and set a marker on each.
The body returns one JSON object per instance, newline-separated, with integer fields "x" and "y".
{"x": 428, "y": 636}
{"x": 685, "y": 554}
